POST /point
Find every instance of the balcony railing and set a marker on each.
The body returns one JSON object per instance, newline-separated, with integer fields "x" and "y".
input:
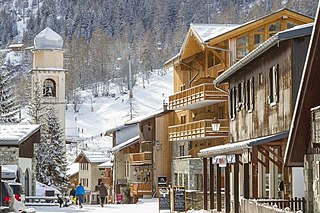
{"x": 143, "y": 158}
{"x": 140, "y": 188}
{"x": 198, "y": 130}
{"x": 195, "y": 97}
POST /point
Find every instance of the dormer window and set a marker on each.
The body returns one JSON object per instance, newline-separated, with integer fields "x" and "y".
{"x": 49, "y": 88}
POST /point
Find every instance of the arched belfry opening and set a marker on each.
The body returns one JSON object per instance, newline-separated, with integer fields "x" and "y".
{"x": 49, "y": 88}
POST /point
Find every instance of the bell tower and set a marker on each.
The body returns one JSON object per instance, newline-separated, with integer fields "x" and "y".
{"x": 48, "y": 72}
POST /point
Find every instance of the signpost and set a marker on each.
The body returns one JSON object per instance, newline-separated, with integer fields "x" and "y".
{"x": 164, "y": 198}
{"x": 179, "y": 199}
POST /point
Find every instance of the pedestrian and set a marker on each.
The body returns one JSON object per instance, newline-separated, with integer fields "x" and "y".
{"x": 102, "y": 193}
{"x": 73, "y": 195}
{"x": 80, "y": 192}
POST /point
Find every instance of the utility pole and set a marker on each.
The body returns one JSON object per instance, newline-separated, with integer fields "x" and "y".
{"x": 208, "y": 12}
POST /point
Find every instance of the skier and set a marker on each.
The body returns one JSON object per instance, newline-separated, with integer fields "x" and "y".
{"x": 80, "y": 192}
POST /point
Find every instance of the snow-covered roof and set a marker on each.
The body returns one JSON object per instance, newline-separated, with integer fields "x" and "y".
{"x": 145, "y": 117}
{"x": 239, "y": 146}
{"x": 42, "y": 188}
{"x": 206, "y": 32}
{"x": 297, "y": 31}
{"x": 16, "y": 134}
{"x": 72, "y": 169}
{"x": 92, "y": 157}
{"x": 125, "y": 144}
{"x": 48, "y": 39}
{"x": 15, "y": 45}
{"x": 107, "y": 164}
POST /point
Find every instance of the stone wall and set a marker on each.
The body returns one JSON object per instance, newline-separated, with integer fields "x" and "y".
{"x": 9, "y": 155}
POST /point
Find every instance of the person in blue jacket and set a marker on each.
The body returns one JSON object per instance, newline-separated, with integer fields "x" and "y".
{"x": 80, "y": 192}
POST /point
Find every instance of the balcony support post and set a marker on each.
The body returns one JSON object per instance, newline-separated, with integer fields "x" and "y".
{"x": 236, "y": 184}
{"x": 211, "y": 183}
{"x": 205, "y": 185}
{"x": 218, "y": 188}
{"x": 227, "y": 188}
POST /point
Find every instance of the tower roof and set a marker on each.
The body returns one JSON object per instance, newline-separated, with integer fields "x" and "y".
{"x": 48, "y": 39}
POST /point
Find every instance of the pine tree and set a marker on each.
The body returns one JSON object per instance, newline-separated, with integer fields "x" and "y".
{"x": 51, "y": 154}
{"x": 8, "y": 105}
{"x": 37, "y": 109}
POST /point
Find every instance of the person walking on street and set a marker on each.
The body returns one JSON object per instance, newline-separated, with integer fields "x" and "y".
{"x": 80, "y": 192}
{"x": 73, "y": 195}
{"x": 102, "y": 193}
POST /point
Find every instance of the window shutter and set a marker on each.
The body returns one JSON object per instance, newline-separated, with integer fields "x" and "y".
{"x": 251, "y": 93}
{"x": 276, "y": 83}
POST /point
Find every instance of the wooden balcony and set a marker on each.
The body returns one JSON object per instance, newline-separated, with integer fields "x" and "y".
{"x": 196, "y": 97}
{"x": 140, "y": 188}
{"x": 143, "y": 158}
{"x": 108, "y": 180}
{"x": 198, "y": 130}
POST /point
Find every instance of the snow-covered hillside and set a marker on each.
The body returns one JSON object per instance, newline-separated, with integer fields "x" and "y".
{"x": 96, "y": 115}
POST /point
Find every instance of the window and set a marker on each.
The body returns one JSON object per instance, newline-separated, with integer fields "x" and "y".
{"x": 84, "y": 166}
{"x": 273, "y": 85}
{"x": 49, "y": 88}
{"x": 242, "y": 45}
{"x": 182, "y": 87}
{"x": 258, "y": 37}
{"x": 240, "y": 96}
{"x": 185, "y": 181}
{"x": 260, "y": 78}
{"x": 232, "y": 101}
{"x": 291, "y": 24}
{"x": 274, "y": 28}
{"x": 183, "y": 119}
{"x": 249, "y": 94}
{"x": 214, "y": 58}
{"x": 181, "y": 150}
{"x": 84, "y": 182}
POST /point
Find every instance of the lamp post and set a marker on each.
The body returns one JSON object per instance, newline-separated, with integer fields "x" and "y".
{"x": 215, "y": 125}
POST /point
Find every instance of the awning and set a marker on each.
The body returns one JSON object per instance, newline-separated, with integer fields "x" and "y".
{"x": 236, "y": 147}
{"x": 125, "y": 144}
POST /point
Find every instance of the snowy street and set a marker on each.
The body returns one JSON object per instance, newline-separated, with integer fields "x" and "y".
{"x": 149, "y": 205}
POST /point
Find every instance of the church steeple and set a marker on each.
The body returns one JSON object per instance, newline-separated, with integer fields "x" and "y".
{"x": 48, "y": 71}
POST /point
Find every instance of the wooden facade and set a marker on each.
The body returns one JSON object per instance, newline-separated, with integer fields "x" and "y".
{"x": 197, "y": 101}
{"x": 262, "y": 97}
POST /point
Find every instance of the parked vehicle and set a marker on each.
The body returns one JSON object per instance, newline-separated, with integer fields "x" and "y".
{"x": 7, "y": 196}
{"x": 16, "y": 198}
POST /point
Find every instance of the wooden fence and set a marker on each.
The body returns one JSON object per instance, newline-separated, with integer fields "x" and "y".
{"x": 273, "y": 205}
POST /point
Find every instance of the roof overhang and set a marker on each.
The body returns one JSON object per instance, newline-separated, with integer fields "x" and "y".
{"x": 238, "y": 147}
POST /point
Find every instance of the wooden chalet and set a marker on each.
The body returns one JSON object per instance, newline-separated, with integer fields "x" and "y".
{"x": 303, "y": 147}
{"x": 90, "y": 176}
{"x": 153, "y": 160}
{"x": 263, "y": 88}
{"x": 206, "y": 53}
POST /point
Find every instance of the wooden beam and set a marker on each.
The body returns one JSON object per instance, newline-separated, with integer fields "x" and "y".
{"x": 205, "y": 185}
{"x": 280, "y": 158}
{"x": 211, "y": 183}
{"x": 246, "y": 178}
{"x": 254, "y": 165}
{"x": 236, "y": 184}
{"x": 218, "y": 188}
{"x": 278, "y": 164}
{"x": 227, "y": 188}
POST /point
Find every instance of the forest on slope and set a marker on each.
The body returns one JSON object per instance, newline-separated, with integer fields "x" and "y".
{"x": 98, "y": 32}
